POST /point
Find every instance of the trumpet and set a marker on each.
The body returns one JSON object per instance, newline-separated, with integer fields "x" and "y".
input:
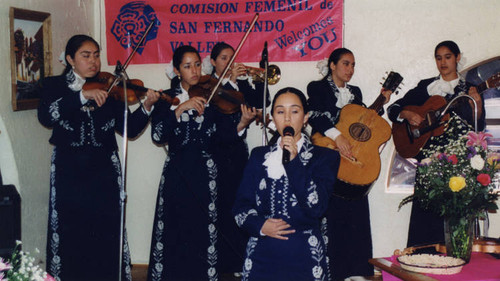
{"x": 257, "y": 74}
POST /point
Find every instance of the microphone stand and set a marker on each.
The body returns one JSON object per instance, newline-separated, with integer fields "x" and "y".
{"x": 121, "y": 75}
{"x": 265, "y": 61}
{"x": 123, "y": 195}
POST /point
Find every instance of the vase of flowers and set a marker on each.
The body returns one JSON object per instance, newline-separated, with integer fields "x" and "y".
{"x": 21, "y": 267}
{"x": 455, "y": 182}
{"x": 458, "y": 237}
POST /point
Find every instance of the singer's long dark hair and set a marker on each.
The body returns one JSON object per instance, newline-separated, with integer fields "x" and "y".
{"x": 294, "y": 91}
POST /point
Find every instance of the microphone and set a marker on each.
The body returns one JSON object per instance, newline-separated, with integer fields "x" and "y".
{"x": 288, "y": 131}
{"x": 264, "y": 58}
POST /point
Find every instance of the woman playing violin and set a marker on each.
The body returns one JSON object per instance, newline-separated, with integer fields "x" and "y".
{"x": 186, "y": 233}
{"x": 84, "y": 206}
{"x": 425, "y": 226}
{"x": 232, "y": 157}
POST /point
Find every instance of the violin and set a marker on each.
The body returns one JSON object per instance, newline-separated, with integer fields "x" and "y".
{"x": 135, "y": 88}
{"x": 226, "y": 101}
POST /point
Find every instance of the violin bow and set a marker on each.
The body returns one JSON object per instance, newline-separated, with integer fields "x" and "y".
{"x": 123, "y": 67}
{"x": 226, "y": 69}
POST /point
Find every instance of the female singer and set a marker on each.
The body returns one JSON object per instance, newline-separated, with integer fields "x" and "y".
{"x": 232, "y": 157}
{"x": 347, "y": 221}
{"x": 425, "y": 226}
{"x": 280, "y": 205}
{"x": 84, "y": 206}
{"x": 186, "y": 231}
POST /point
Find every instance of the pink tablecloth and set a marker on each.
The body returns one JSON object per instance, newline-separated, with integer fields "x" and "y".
{"x": 482, "y": 267}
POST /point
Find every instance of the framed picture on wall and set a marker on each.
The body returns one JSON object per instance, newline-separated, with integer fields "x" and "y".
{"x": 30, "y": 55}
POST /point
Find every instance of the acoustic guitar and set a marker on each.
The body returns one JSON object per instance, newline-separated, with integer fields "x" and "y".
{"x": 366, "y": 132}
{"x": 409, "y": 139}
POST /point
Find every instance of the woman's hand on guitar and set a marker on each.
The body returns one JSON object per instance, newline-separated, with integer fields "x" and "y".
{"x": 344, "y": 146}
{"x": 276, "y": 228}
{"x": 247, "y": 116}
{"x": 475, "y": 95}
{"x": 387, "y": 95}
{"x": 98, "y": 95}
{"x": 413, "y": 118}
{"x": 152, "y": 97}
{"x": 197, "y": 103}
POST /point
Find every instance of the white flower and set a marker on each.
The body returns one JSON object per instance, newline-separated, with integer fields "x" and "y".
{"x": 210, "y": 163}
{"x": 477, "y": 162}
{"x": 170, "y": 71}
{"x": 317, "y": 271}
{"x": 206, "y": 66}
{"x": 313, "y": 241}
{"x": 160, "y": 225}
{"x": 248, "y": 264}
{"x": 159, "y": 246}
{"x": 184, "y": 117}
{"x": 211, "y": 206}
{"x": 322, "y": 66}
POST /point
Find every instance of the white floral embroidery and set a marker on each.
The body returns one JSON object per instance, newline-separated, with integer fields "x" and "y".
{"x": 248, "y": 264}
{"x": 241, "y": 217}
{"x": 211, "y": 228}
{"x": 211, "y": 272}
{"x": 313, "y": 241}
{"x": 317, "y": 271}
{"x": 199, "y": 119}
{"x": 313, "y": 197}
{"x": 262, "y": 184}
{"x": 184, "y": 117}
{"x": 212, "y": 184}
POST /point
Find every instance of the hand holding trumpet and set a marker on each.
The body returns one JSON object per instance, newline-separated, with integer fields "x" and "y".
{"x": 237, "y": 70}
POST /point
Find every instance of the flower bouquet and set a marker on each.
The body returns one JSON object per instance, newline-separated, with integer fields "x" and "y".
{"x": 455, "y": 182}
{"x": 22, "y": 267}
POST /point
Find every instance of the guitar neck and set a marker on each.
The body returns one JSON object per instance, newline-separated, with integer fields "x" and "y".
{"x": 378, "y": 103}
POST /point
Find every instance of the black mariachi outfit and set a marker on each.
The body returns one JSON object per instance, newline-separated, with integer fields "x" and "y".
{"x": 425, "y": 226}
{"x": 187, "y": 236}
{"x": 300, "y": 197}
{"x": 231, "y": 160}
{"x": 347, "y": 222}
{"x": 85, "y": 182}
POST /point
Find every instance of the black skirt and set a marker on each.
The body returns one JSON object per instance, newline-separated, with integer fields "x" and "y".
{"x": 83, "y": 240}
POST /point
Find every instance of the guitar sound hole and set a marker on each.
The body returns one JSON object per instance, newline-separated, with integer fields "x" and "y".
{"x": 360, "y": 132}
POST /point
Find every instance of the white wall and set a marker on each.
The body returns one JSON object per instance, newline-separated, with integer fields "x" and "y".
{"x": 384, "y": 35}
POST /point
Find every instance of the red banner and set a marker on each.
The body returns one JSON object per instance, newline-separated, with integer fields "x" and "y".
{"x": 295, "y": 30}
